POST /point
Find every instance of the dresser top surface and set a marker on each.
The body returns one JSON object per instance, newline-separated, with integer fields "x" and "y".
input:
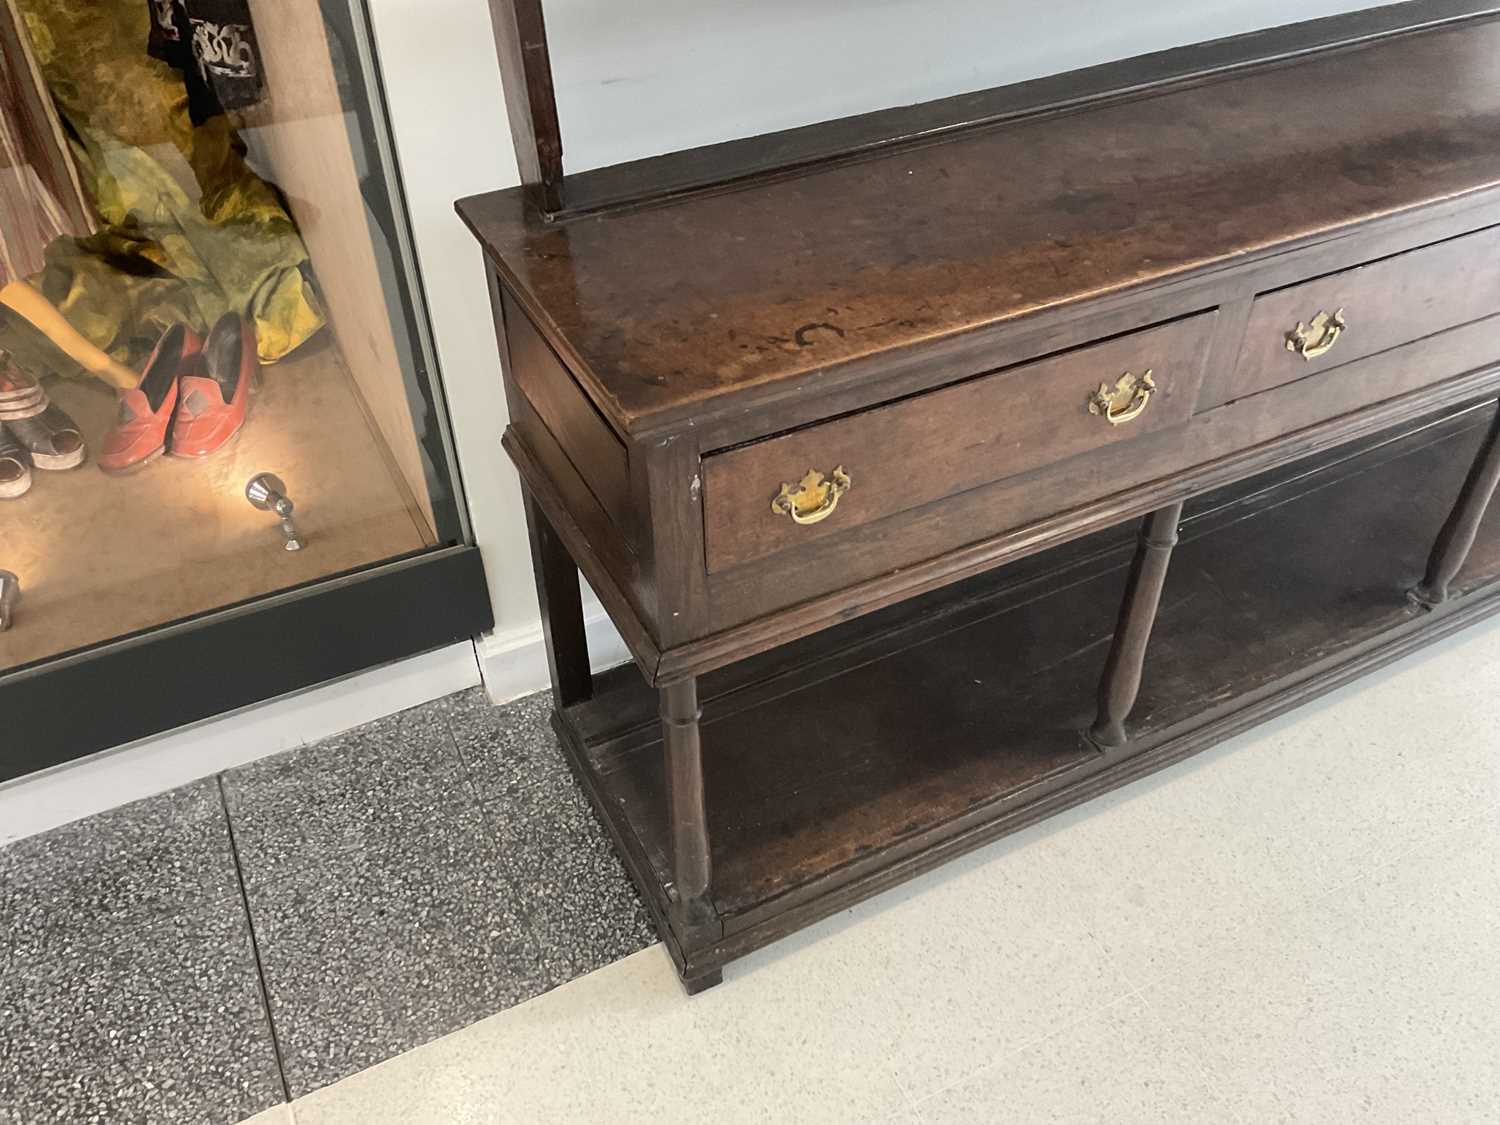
{"x": 663, "y": 309}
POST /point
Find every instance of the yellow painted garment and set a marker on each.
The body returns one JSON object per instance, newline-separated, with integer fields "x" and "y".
{"x": 188, "y": 231}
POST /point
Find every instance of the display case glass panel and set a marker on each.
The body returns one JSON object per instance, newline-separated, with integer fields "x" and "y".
{"x": 207, "y": 310}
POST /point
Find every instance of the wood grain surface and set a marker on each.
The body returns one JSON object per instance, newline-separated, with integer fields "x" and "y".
{"x": 663, "y": 310}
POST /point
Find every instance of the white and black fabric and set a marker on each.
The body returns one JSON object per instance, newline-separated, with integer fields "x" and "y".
{"x": 213, "y": 44}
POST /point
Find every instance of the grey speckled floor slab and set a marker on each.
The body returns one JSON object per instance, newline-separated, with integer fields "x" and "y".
{"x": 393, "y": 906}
{"x": 375, "y": 891}
{"x": 98, "y": 879}
{"x": 129, "y": 989}
{"x": 585, "y": 911}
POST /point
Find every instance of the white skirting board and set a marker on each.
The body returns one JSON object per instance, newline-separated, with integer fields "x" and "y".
{"x": 106, "y": 780}
{"x": 514, "y": 663}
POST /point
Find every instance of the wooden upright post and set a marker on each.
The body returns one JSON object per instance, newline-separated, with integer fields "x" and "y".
{"x": 1121, "y": 683}
{"x": 1456, "y": 539}
{"x": 531, "y": 104}
{"x": 694, "y": 915}
{"x": 561, "y": 600}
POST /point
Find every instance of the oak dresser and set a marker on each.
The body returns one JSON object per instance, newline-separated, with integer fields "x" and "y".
{"x": 878, "y": 464}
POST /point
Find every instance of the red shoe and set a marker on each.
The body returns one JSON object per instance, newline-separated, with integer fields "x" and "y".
{"x": 140, "y": 434}
{"x": 213, "y": 395}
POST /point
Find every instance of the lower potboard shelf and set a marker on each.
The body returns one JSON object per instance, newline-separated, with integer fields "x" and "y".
{"x": 848, "y": 762}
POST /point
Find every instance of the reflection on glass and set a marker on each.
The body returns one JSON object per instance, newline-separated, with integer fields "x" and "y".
{"x": 198, "y": 284}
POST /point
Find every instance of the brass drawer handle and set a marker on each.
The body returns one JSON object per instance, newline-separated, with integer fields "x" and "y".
{"x": 1126, "y": 402}
{"x": 1315, "y": 339}
{"x": 814, "y": 499}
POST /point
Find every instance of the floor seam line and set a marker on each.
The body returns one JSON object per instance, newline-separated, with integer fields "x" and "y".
{"x": 260, "y": 968}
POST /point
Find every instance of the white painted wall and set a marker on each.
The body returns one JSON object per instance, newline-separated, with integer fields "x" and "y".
{"x": 623, "y": 67}
{"x": 438, "y": 61}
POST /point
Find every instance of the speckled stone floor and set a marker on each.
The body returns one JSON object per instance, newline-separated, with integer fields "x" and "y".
{"x": 1298, "y": 925}
{"x": 205, "y": 954}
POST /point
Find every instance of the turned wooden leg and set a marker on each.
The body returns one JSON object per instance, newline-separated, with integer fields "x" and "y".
{"x": 1127, "y": 653}
{"x": 562, "y": 611}
{"x": 1457, "y": 537}
{"x": 696, "y": 918}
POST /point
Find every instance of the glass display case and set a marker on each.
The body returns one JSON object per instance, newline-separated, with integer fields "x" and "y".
{"x": 216, "y": 384}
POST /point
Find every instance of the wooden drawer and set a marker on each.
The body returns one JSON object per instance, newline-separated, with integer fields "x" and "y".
{"x": 1258, "y": 432}
{"x": 1385, "y": 304}
{"x": 935, "y": 445}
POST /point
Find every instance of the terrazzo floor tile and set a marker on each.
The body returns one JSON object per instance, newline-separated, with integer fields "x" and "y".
{"x": 572, "y": 886}
{"x": 379, "y": 899}
{"x": 506, "y": 748}
{"x": 1376, "y": 1004}
{"x": 623, "y": 1045}
{"x": 1117, "y": 1066}
{"x": 167, "y": 1026}
{"x": 91, "y": 882}
{"x": 945, "y": 974}
{"x": 397, "y": 774}
{"x": 361, "y": 965}
{"x": 574, "y": 891}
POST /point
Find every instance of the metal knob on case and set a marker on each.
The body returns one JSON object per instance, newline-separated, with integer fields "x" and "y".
{"x": 10, "y": 597}
{"x": 267, "y": 492}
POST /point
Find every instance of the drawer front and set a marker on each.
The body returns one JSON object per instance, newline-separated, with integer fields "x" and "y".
{"x": 935, "y": 445}
{"x": 1383, "y": 305}
{"x": 1277, "y": 427}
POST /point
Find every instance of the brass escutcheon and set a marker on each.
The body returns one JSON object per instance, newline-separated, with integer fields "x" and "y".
{"x": 814, "y": 499}
{"x": 1126, "y": 401}
{"x": 1315, "y": 339}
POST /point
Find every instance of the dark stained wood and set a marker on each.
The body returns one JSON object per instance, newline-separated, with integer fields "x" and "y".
{"x": 559, "y": 597}
{"x": 561, "y": 603}
{"x": 597, "y": 454}
{"x": 1120, "y": 685}
{"x": 915, "y": 674}
{"x": 873, "y": 568}
{"x": 865, "y": 568}
{"x": 1308, "y": 576}
{"x": 699, "y": 307}
{"x": 670, "y": 493}
{"x": 620, "y": 602}
{"x": 694, "y": 985}
{"x": 1098, "y": 553}
{"x": 1387, "y": 303}
{"x": 1456, "y": 539}
{"x": 535, "y": 128}
{"x": 720, "y": 165}
{"x": 531, "y": 105}
{"x": 925, "y": 448}
{"x": 696, "y": 918}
